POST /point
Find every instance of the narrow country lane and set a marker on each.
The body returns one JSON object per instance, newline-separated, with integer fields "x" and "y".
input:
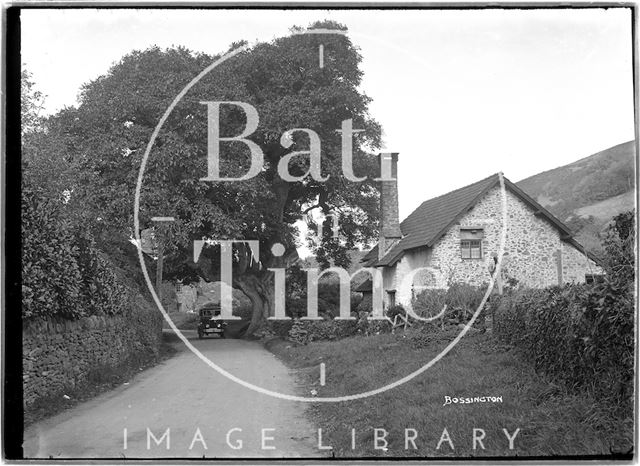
{"x": 183, "y": 395}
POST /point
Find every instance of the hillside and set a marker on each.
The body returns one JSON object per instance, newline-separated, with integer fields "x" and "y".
{"x": 587, "y": 193}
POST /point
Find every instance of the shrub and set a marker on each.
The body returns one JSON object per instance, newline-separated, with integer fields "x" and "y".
{"x": 63, "y": 272}
{"x": 393, "y": 311}
{"x": 329, "y": 298}
{"x": 103, "y": 291}
{"x": 465, "y": 296}
{"x": 462, "y": 301}
{"x": 281, "y": 327}
{"x": 296, "y": 307}
{"x": 429, "y": 302}
{"x": 328, "y": 301}
{"x": 51, "y": 276}
{"x": 619, "y": 245}
{"x": 374, "y": 327}
{"x": 305, "y": 331}
{"x": 582, "y": 335}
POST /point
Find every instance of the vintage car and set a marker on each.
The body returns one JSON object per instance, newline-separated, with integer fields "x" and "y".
{"x": 210, "y": 321}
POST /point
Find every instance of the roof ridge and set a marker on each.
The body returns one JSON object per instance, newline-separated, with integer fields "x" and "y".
{"x": 434, "y": 217}
{"x": 454, "y": 191}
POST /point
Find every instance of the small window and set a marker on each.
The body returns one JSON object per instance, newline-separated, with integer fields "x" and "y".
{"x": 471, "y": 249}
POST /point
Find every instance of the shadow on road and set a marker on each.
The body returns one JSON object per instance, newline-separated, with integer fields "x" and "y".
{"x": 236, "y": 329}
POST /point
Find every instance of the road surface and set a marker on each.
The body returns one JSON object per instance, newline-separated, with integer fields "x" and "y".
{"x": 202, "y": 413}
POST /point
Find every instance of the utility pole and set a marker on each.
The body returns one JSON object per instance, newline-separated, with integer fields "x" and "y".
{"x": 160, "y": 239}
{"x": 159, "y": 266}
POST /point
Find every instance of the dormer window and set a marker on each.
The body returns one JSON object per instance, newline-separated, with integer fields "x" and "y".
{"x": 471, "y": 242}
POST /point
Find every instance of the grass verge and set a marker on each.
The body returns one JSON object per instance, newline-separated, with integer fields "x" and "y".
{"x": 101, "y": 379}
{"x": 552, "y": 420}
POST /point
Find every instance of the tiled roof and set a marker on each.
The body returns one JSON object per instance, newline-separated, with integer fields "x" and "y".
{"x": 434, "y": 217}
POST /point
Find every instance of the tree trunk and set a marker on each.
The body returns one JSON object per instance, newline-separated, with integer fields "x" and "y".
{"x": 262, "y": 300}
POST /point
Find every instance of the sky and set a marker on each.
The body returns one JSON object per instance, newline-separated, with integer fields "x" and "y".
{"x": 460, "y": 94}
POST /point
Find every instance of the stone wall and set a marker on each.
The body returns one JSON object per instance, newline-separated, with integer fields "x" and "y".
{"x": 60, "y": 354}
{"x": 532, "y": 249}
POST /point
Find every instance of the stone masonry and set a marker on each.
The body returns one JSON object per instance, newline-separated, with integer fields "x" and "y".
{"x": 534, "y": 252}
{"x": 60, "y": 354}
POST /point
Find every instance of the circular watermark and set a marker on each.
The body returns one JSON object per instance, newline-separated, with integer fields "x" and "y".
{"x": 227, "y": 374}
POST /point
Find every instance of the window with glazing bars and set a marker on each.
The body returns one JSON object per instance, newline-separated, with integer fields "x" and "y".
{"x": 471, "y": 249}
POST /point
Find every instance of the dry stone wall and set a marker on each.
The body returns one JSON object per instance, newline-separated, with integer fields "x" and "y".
{"x": 60, "y": 354}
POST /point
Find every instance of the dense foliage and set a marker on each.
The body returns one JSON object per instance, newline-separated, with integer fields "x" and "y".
{"x": 581, "y": 334}
{"x": 462, "y": 301}
{"x": 306, "y": 331}
{"x": 328, "y": 294}
{"x": 106, "y": 135}
{"x": 63, "y": 273}
{"x": 51, "y": 275}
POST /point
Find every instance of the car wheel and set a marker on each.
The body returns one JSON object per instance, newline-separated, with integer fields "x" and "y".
{"x": 222, "y": 335}
{"x": 199, "y": 335}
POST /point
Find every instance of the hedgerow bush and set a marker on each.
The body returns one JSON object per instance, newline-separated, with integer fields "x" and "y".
{"x": 429, "y": 302}
{"x": 393, "y": 311}
{"x": 462, "y": 301}
{"x": 51, "y": 277}
{"x": 281, "y": 327}
{"x": 329, "y": 299}
{"x": 581, "y": 334}
{"x": 63, "y": 273}
{"x": 305, "y": 331}
{"x": 374, "y": 327}
{"x": 103, "y": 290}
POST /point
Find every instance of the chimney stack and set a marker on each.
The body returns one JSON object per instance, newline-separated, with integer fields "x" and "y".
{"x": 389, "y": 216}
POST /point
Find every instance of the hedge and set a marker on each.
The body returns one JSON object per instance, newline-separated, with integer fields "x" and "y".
{"x": 462, "y": 301}
{"x": 63, "y": 272}
{"x": 305, "y": 331}
{"x": 582, "y": 335}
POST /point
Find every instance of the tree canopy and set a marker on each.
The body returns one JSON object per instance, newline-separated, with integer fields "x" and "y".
{"x": 106, "y": 136}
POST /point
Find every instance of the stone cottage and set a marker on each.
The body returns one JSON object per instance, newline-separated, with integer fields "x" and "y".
{"x": 455, "y": 238}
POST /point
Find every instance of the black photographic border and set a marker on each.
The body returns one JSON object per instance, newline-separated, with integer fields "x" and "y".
{"x": 11, "y": 321}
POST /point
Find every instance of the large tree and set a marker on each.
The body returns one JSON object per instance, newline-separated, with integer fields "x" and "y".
{"x": 107, "y": 134}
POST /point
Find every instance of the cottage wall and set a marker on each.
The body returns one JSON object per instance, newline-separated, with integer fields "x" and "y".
{"x": 532, "y": 249}
{"x": 402, "y": 282}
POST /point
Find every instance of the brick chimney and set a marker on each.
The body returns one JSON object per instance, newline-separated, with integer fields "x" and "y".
{"x": 389, "y": 216}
